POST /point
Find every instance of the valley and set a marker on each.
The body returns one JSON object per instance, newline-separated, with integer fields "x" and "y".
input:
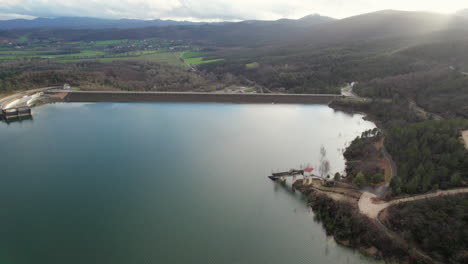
{"x": 389, "y": 86}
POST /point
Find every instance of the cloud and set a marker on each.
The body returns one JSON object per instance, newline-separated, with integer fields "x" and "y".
{"x": 14, "y": 16}
{"x": 215, "y": 9}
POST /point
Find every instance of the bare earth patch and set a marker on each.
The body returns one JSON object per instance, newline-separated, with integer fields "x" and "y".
{"x": 465, "y": 138}
{"x": 59, "y": 95}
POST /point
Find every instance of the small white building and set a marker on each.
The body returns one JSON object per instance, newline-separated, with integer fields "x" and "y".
{"x": 66, "y": 86}
{"x": 308, "y": 172}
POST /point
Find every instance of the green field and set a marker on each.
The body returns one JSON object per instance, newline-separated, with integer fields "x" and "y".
{"x": 192, "y": 54}
{"x": 23, "y": 38}
{"x": 197, "y": 57}
{"x": 103, "y": 51}
{"x": 252, "y": 65}
{"x": 161, "y": 57}
{"x": 199, "y": 60}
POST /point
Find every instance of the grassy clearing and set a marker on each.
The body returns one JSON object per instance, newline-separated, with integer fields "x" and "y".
{"x": 200, "y": 60}
{"x": 192, "y": 54}
{"x": 161, "y": 57}
{"x": 102, "y": 51}
{"x": 253, "y": 65}
{"x": 7, "y": 58}
{"x": 18, "y": 52}
{"x": 109, "y": 42}
{"x": 196, "y": 57}
{"x": 23, "y": 38}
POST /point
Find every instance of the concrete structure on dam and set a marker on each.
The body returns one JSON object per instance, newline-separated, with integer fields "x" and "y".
{"x": 123, "y": 96}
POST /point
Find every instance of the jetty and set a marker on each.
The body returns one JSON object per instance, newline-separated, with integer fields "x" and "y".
{"x": 305, "y": 173}
{"x": 290, "y": 173}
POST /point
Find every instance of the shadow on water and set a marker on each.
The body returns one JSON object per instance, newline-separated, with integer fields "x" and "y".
{"x": 283, "y": 186}
{"x": 17, "y": 120}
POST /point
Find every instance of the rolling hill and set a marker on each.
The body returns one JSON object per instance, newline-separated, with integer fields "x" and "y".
{"x": 87, "y": 23}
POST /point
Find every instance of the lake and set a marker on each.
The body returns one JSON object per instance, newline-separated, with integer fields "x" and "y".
{"x": 166, "y": 183}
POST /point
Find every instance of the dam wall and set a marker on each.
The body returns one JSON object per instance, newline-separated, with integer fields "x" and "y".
{"x": 92, "y": 96}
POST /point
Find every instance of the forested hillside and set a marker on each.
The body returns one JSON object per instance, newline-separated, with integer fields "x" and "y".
{"x": 443, "y": 91}
{"x": 429, "y": 156}
{"x": 438, "y": 226}
{"x": 124, "y": 75}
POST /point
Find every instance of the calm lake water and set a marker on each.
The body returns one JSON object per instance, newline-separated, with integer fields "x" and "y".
{"x": 166, "y": 183}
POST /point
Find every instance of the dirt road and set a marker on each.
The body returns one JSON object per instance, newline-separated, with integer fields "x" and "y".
{"x": 465, "y": 138}
{"x": 370, "y": 205}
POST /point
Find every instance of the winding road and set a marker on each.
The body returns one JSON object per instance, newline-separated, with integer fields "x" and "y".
{"x": 370, "y": 206}
{"x": 372, "y": 209}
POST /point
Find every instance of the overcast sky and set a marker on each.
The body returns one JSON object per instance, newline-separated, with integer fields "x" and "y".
{"x": 214, "y": 10}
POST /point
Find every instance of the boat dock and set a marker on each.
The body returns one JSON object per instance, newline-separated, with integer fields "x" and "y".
{"x": 290, "y": 173}
{"x": 307, "y": 175}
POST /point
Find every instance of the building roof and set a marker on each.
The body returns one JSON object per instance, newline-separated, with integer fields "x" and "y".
{"x": 308, "y": 169}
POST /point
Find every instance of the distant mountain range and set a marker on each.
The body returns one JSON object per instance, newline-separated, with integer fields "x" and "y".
{"x": 88, "y": 23}
{"x": 251, "y": 32}
{"x": 98, "y": 23}
{"x": 308, "y": 31}
{"x": 385, "y": 24}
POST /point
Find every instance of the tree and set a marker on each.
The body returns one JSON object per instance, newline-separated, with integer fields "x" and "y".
{"x": 337, "y": 176}
{"x": 377, "y": 178}
{"x": 396, "y": 185}
{"x": 455, "y": 179}
{"x": 360, "y": 179}
{"x": 324, "y": 167}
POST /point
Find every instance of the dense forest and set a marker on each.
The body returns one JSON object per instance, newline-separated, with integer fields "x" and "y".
{"x": 319, "y": 71}
{"x": 386, "y": 113}
{"x": 429, "y": 156}
{"x": 362, "y": 159}
{"x": 443, "y": 91}
{"x": 438, "y": 226}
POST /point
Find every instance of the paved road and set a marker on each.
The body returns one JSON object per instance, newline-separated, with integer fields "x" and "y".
{"x": 348, "y": 92}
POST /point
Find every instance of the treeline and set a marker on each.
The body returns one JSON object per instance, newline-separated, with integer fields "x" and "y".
{"x": 362, "y": 159}
{"x": 429, "y": 156}
{"x": 443, "y": 91}
{"x": 386, "y": 113}
{"x": 124, "y": 75}
{"x": 438, "y": 226}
